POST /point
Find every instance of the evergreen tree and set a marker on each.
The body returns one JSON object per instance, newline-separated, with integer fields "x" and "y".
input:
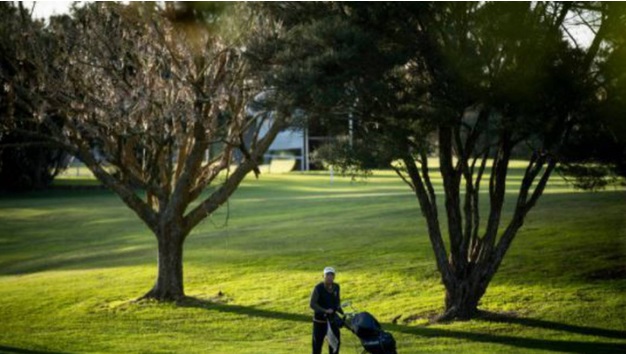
{"x": 473, "y": 84}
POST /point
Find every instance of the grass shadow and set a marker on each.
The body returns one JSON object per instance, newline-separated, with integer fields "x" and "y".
{"x": 13, "y": 350}
{"x": 102, "y": 259}
{"x": 566, "y": 346}
{"x": 217, "y": 305}
{"x": 427, "y": 332}
{"x": 557, "y": 326}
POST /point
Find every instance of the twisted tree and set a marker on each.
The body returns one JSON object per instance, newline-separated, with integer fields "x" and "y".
{"x": 145, "y": 103}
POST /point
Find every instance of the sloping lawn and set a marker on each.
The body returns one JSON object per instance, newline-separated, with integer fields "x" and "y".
{"x": 72, "y": 261}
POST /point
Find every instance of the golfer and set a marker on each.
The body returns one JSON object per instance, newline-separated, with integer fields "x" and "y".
{"x": 325, "y": 301}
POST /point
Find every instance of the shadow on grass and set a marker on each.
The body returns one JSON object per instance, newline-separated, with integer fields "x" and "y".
{"x": 12, "y": 350}
{"x": 216, "y": 305}
{"x": 426, "y": 332}
{"x": 531, "y": 322}
{"x": 102, "y": 259}
{"x": 520, "y": 342}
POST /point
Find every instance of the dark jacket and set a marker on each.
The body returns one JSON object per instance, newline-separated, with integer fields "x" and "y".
{"x": 322, "y": 299}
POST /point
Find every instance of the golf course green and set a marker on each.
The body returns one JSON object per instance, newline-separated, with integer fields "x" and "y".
{"x": 73, "y": 260}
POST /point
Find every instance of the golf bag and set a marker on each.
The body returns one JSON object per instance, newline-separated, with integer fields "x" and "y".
{"x": 373, "y": 338}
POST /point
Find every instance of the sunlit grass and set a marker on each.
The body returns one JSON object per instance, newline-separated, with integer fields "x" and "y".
{"x": 71, "y": 262}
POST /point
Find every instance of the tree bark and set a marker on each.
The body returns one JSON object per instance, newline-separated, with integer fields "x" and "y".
{"x": 169, "y": 282}
{"x": 462, "y": 297}
{"x": 466, "y": 286}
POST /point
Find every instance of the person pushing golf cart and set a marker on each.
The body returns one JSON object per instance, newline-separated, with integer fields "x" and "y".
{"x": 326, "y": 304}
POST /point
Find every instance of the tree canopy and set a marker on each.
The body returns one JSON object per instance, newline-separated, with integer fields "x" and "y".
{"x": 25, "y": 163}
{"x": 474, "y": 84}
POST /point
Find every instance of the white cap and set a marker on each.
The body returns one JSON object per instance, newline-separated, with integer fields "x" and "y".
{"x": 329, "y": 270}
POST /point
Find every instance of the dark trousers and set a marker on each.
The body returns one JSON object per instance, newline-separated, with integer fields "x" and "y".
{"x": 319, "y": 332}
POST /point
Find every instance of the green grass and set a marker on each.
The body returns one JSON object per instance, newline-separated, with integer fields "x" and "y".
{"x": 72, "y": 261}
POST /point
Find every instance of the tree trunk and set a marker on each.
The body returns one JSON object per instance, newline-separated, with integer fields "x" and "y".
{"x": 462, "y": 297}
{"x": 169, "y": 281}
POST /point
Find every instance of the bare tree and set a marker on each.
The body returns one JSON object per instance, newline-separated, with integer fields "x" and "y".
{"x": 143, "y": 103}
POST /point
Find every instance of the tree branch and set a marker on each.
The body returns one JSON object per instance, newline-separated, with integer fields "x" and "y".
{"x": 517, "y": 221}
{"x": 219, "y": 196}
{"x": 451, "y": 181}
{"x": 130, "y": 198}
{"x": 497, "y": 188}
{"x": 430, "y": 215}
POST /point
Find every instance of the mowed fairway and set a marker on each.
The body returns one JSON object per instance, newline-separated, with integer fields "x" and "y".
{"x": 71, "y": 262}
